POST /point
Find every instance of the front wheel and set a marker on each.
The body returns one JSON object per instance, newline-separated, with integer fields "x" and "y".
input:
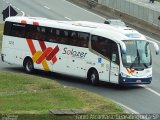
{"x": 28, "y": 65}
{"x": 94, "y": 77}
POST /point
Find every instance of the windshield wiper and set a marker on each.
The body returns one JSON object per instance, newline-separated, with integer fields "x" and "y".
{"x": 145, "y": 65}
{"x": 136, "y": 58}
{"x": 133, "y": 62}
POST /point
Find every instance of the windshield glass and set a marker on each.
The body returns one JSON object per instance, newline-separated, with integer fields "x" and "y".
{"x": 138, "y": 54}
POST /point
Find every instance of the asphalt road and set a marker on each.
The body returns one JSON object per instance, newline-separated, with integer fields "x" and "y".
{"x": 137, "y": 99}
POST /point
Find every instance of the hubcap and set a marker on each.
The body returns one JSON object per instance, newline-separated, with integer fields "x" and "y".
{"x": 29, "y": 66}
{"x": 93, "y": 77}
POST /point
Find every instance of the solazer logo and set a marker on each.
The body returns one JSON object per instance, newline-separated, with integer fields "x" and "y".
{"x": 74, "y": 53}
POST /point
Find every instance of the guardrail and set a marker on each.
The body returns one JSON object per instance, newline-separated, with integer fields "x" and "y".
{"x": 152, "y": 16}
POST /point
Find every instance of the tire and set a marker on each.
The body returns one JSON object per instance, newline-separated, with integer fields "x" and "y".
{"x": 28, "y": 65}
{"x": 94, "y": 77}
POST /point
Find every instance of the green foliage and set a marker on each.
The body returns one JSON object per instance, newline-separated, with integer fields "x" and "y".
{"x": 33, "y": 96}
{"x": 1, "y": 32}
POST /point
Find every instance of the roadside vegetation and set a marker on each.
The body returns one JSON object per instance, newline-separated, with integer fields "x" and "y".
{"x": 24, "y": 94}
{"x": 1, "y": 32}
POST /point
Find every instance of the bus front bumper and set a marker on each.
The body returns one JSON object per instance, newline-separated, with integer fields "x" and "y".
{"x": 123, "y": 80}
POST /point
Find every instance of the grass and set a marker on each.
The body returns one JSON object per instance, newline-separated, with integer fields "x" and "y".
{"x": 34, "y": 96}
{"x": 1, "y": 32}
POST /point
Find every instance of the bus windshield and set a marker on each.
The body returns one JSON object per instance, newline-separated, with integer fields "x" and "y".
{"x": 138, "y": 54}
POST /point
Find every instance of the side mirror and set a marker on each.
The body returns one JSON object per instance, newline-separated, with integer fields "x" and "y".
{"x": 156, "y": 47}
{"x": 106, "y": 22}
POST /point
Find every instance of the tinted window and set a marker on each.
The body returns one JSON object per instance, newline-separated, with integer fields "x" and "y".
{"x": 101, "y": 45}
{"x": 54, "y": 35}
{"x": 7, "y": 28}
{"x": 79, "y": 39}
{"x": 36, "y": 32}
{"x": 18, "y": 30}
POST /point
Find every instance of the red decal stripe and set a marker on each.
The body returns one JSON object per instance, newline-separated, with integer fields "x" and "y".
{"x": 31, "y": 46}
{"x": 24, "y": 22}
{"x": 36, "y": 23}
{"x": 53, "y": 53}
{"x": 44, "y": 55}
{"x": 54, "y": 60}
{"x": 42, "y": 44}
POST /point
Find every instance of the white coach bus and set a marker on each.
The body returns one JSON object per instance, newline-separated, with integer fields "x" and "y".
{"x": 95, "y": 51}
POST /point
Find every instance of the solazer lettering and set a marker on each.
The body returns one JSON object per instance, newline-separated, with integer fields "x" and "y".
{"x": 74, "y": 53}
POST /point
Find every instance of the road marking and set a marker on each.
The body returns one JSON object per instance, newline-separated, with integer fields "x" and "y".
{"x": 151, "y": 90}
{"x": 85, "y": 10}
{"x": 47, "y": 7}
{"x": 68, "y": 18}
{"x": 18, "y": 9}
{"x": 23, "y": 13}
{"x": 7, "y": 2}
{"x": 128, "y": 108}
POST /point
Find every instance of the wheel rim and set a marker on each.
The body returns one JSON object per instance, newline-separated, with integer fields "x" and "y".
{"x": 29, "y": 66}
{"x": 93, "y": 77}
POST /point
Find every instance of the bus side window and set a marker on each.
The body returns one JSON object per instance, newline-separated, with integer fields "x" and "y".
{"x": 94, "y": 43}
{"x": 18, "y": 30}
{"x": 51, "y": 37}
{"x": 63, "y": 36}
{"x": 73, "y": 38}
{"x": 30, "y": 31}
{"x": 83, "y": 39}
{"x": 101, "y": 45}
{"x": 40, "y": 33}
{"x": 7, "y": 28}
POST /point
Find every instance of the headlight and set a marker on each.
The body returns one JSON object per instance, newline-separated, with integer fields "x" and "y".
{"x": 125, "y": 75}
{"x": 149, "y": 76}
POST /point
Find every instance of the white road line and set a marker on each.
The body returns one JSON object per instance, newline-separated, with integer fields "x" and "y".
{"x": 68, "y": 18}
{"x": 23, "y": 13}
{"x": 17, "y": 8}
{"x": 10, "y": 4}
{"x": 128, "y": 108}
{"x": 47, "y": 7}
{"x": 7, "y": 2}
{"x": 151, "y": 90}
{"x": 14, "y": 6}
{"x": 85, "y": 10}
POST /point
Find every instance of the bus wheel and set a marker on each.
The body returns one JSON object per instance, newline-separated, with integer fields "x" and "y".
{"x": 94, "y": 77}
{"x": 28, "y": 65}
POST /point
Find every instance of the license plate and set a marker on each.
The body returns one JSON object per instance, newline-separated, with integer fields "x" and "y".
{"x": 138, "y": 81}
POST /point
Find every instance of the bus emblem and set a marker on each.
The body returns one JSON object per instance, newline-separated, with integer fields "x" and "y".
{"x": 44, "y": 55}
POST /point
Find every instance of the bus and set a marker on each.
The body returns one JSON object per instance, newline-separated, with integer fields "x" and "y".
{"x": 93, "y": 51}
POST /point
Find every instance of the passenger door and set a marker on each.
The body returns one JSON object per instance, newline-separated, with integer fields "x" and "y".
{"x": 114, "y": 64}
